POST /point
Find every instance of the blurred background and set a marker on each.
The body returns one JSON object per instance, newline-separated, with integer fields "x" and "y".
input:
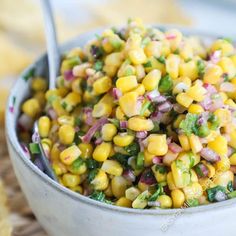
{"x": 22, "y": 40}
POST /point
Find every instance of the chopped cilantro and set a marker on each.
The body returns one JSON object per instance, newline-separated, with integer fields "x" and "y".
{"x": 98, "y": 65}
{"x": 211, "y": 192}
{"x": 161, "y": 169}
{"x": 230, "y": 186}
{"x": 155, "y": 195}
{"x": 98, "y": 196}
{"x": 75, "y": 166}
{"x": 92, "y": 174}
{"x": 133, "y": 149}
{"x": 201, "y": 68}
{"x": 162, "y": 59}
{"x": 147, "y": 64}
{"x": 165, "y": 84}
{"x": 145, "y": 106}
{"x": 91, "y": 164}
{"x": 189, "y": 124}
{"x": 232, "y": 194}
{"x": 121, "y": 158}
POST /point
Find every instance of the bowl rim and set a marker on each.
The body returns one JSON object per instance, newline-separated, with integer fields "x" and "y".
{"x": 14, "y": 143}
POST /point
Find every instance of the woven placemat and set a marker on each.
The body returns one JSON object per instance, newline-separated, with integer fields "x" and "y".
{"x": 21, "y": 217}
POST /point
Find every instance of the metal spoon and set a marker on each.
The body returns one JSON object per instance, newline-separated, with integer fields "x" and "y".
{"x": 54, "y": 63}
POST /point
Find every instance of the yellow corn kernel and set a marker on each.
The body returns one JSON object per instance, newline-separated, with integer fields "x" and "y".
{"x": 102, "y": 151}
{"x": 78, "y": 168}
{"x": 184, "y": 100}
{"x": 70, "y": 154}
{"x": 213, "y": 75}
{"x": 124, "y": 202}
{"x": 189, "y": 159}
{"x": 194, "y": 177}
{"x": 86, "y": 150}
{"x": 232, "y": 159}
{"x": 195, "y": 143}
{"x": 120, "y": 114}
{"x": 44, "y": 126}
{"x": 101, "y": 109}
{"x": 123, "y": 140}
{"x": 137, "y": 56}
{"x": 108, "y": 191}
{"x": 193, "y": 190}
{"x": 114, "y": 59}
{"x": 142, "y": 186}
{"x": 153, "y": 48}
{"x": 233, "y": 58}
{"x": 139, "y": 72}
{"x": 165, "y": 201}
{"x": 174, "y": 42}
{"x": 180, "y": 174}
{"x": 178, "y": 198}
{"x": 128, "y": 104}
{"x": 206, "y": 183}
{"x": 197, "y": 93}
{"x": 154, "y": 64}
{"x": 195, "y": 109}
{"x": 119, "y": 185}
{"x": 178, "y": 120}
{"x": 40, "y": 96}
{"x": 157, "y": 144}
{"x": 227, "y": 66}
{"x": 219, "y": 145}
{"x": 76, "y": 86}
{"x": 169, "y": 158}
{"x": 57, "y": 106}
{"x": 223, "y": 178}
{"x": 224, "y": 96}
{"x": 140, "y": 89}
{"x": 141, "y": 201}
{"x": 59, "y": 168}
{"x": 223, "y": 164}
{"x": 151, "y": 80}
{"x": 231, "y": 103}
{"x": 102, "y": 85}
{"x": 188, "y": 69}
{"x": 138, "y": 123}
{"x": 160, "y": 174}
{"x": 112, "y": 167}
{"x": 210, "y": 168}
{"x": 101, "y": 181}
{"x": 110, "y": 70}
{"x": 66, "y": 134}
{"x": 172, "y": 65}
{"x": 31, "y": 107}
{"x": 170, "y": 181}
{"x": 224, "y": 116}
{"x": 70, "y": 180}
{"x": 77, "y": 189}
{"x": 132, "y": 193}
{"x": 66, "y": 120}
{"x": 224, "y": 46}
{"x": 39, "y": 84}
{"x": 88, "y": 96}
{"x": 232, "y": 141}
{"x": 108, "y": 132}
{"x": 125, "y": 70}
{"x": 126, "y": 83}
{"x": 55, "y": 152}
{"x": 71, "y": 101}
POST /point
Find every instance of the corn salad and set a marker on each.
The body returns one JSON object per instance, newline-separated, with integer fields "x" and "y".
{"x": 140, "y": 118}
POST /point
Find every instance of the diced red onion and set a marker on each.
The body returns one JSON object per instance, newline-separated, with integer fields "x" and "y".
{"x": 165, "y": 107}
{"x": 215, "y": 56}
{"x": 68, "y": 75}
{"x": 216, "y": 104}
{"x": 123, "y": 124}
{"x": 25, "y": 150}
{"x": 210, "y": 89}
{"x": 227, "y": 87}
{"x": 88, "y": 113}
{"x": 154, "y": 204}
{"x": 98, "y": 141}
{"x": 156, "y": 160}
{"x": 129, "y": 175}
{"x": 206, "y": 103}
{"x": 168, "y": 140}
{"x": 204, "y": 170}
{"x": 141, "y": 134}
{"x": 141, "y": 145}
{"x": 175, "y": 148}
{"x": 99, "y": 123}
{"x": 25, "y": 122}
{"x": 156, "y": 116}
{"x": 152, "y": 95}
{"x": 233, "y": 169}
{"x": 52, "y": 113}
{"x": 203, "y": 118}
{"x": 149, "y": 180}
{"x": 209, "y": 155}
{"x": 116, "y": 93}
{"x": 171, "y": 36}
{"x": 220, "y": 196}
{"x": 178, "y": 108}
{"x": 35, "y": 137}
{"x": 39, "y": 164}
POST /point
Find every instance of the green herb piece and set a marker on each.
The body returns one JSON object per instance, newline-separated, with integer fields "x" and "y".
{"x": 155, "y": 195}
{"x": 145, "y": 106}
{"x": 147, "y": 64}
{"x": 98, "y": 65}
{"x": 78, "y": 121}
{"x": 91, "y": 164}
{"x": 92, "y": 174}
{"x": 115, "y": 122}
{"x": 140, "y": 160}
{"x": 162, "y": 60}
{"x": 161, "y": 169}
{"x": 230, "y": 186}
{"x": 75, "y": 166}
{"x": 98, "y": 196}
{"x": 34, "y": 148}
{"x": 201, "y": 68}
{"x": 133, "y": 149}
{"x": 192, "y": 202}
{"x": 156, "y": 126}
{"x": 214, "y": 120}
{"x": 189, "y": 124}
{"x": 198, "y": 169}
{"x": 121, "y": 158}
{"x": 64, "y": 105}
{"x": 211, "y": 192}
{"x": 165, "y": 84}
{"x": 203, "y": 131}
{"x": 29, "y": 74}
{"x": 232, "y": 194}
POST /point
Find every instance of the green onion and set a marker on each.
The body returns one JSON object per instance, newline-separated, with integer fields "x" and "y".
{"x": 140, "y": 160}
{"x": 34, "y": 148}
{"x": 161, "y": 169}
{"x": 162, "y": 60}
{"x": 133, "y": 149}
{"x": 165, "y": 84}
{"x": 211, "y": 192}
{"x": 145, "y": 107}
{"x": 155, "y": 195}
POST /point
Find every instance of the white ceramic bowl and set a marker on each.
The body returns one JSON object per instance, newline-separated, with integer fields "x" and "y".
{"x": 64, "y": 213}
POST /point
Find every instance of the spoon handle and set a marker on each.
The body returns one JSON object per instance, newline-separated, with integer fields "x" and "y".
{"x": 52, "y": 44}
